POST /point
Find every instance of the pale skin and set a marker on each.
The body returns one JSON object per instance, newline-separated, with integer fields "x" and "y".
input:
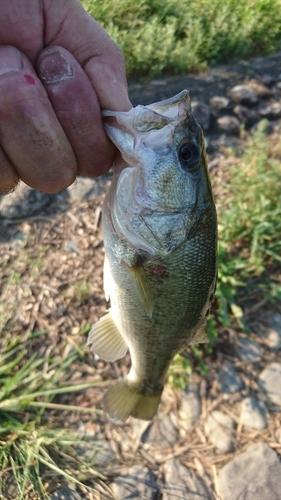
{"x": 58, "y": 70}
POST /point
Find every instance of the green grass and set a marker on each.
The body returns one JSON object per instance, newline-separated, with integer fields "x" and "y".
{"x": 250, "y": 223}
{"x": 34, "y": 451}
{"x": 180, "y": 35}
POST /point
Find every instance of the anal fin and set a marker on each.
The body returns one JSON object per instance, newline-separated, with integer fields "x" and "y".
{"x": 105, "y": 339}
{"x": 200, "y": 337}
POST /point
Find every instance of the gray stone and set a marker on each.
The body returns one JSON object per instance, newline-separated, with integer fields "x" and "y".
{"x": 252, "y": 475}
{"x": 248, "y": 350}
{"x": 260, "y": 89}
{"x": 229, "y": 124}
{"x": 182, "y": 483}
{"x": 138, "y": 484}
{"x": 274, "y": 332}
{"x": 66, "y": 493}
{"x": 161, "y": 432}
{"x": 246, "y": 115}
{"x": 190, "y": 405}
{"x": 253, "y": 413}
{"x": 228, "y": 379}
{"x": 71, "y": 246}
{"x": 219, "y": 428}
{"x": 201, "y": 112}
{"x": 24, "y": 202}
{"x": 96, "y": 450}
{"x": 243, "y": 94}
{"x": 268, "y": 79}
{"x": 271, "y": 111}
{"x": 219, "y": 103}
{"x": 270, "y": 381}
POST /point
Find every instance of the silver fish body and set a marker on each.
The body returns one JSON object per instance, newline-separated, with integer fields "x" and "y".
{"x": 160, "y": 238}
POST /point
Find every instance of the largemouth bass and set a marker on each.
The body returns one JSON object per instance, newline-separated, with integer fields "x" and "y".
{"x": 160, "y": 238}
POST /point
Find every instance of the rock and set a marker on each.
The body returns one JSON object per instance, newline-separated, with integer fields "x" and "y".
{"x": 253, "y": 413}
{"x": 219, "y": 103}
{"x": 71, "y": 246}
{"x": 260, "y": 89}
{"x": 229, "y": 124}
{"x": 160, "y": 433}
{"x": 97, "y": 450}
{"x": 182, "y": 483}
{"x": 252, "y": 475}
{"x": 269, "y": 380}
{"x": 274, "y": 332}
{"x": 271, "y": 111}
{"x": 228, "y": 379}
{"x": 243, "y": 94}
{"x": 190, "y": 405}
{"x": 246, "y": 115}
{"x": 66, "y": 493}
{"x": 248, "y": 350}
{"x": 201, "y": 112}
{"x": 268, "y": 79}
{"x": 219, "y": 428}
{"x": 24, "y": 202}
{"x": 138, "y": 483}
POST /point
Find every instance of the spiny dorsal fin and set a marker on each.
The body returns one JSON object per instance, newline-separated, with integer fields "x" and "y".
{"x": 105, "y": 339}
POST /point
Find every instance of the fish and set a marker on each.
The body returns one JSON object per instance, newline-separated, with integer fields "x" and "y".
{"x": 160, "y": 237}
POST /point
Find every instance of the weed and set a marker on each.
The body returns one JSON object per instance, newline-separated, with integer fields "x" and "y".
{"x": 32, "y": 451}
{"x": 180, "y": 36}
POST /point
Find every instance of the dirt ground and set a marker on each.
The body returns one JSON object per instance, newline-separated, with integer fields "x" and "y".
{"x": 63, "y": 294}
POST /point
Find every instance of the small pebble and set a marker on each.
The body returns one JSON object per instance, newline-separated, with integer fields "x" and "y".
{"x": 228, "y": 379}
{"x": 219, "y": 428}
{"x": 190, "y": 405}
{"x": 248, "y": 350}
{"x": 137, "y": 483}
{"x": 243, "y": 94}
{"x": 229, "y": 124}
{"x": 182, "y": 483}
{"x": 160, "y": 433}
{"x": 253, "y": 413}
{"x": 270, "y": 381}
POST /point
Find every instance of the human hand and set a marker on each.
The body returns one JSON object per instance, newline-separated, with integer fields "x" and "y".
{"x": 58, "y": 69}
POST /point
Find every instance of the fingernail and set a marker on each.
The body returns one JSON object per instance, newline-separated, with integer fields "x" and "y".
{"x": 53, "y": 66}
{"x": 10, "y": 59}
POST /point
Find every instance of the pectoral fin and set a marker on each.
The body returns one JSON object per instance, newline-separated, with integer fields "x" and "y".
{"x": 200, "y": 337}
{"x": 143, "y": 288}
{"x": 105, "y": 339}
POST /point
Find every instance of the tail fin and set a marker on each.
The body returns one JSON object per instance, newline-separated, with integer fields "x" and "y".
{"x": 123, "y": 401}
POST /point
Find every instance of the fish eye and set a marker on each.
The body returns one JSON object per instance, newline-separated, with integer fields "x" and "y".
{"x": 188, "y": 155}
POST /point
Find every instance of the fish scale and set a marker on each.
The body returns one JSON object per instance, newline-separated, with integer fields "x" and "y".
{"x": 160, "y": 238}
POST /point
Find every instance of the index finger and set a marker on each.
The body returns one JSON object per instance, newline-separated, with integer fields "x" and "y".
{"x": 98, "y": 55}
